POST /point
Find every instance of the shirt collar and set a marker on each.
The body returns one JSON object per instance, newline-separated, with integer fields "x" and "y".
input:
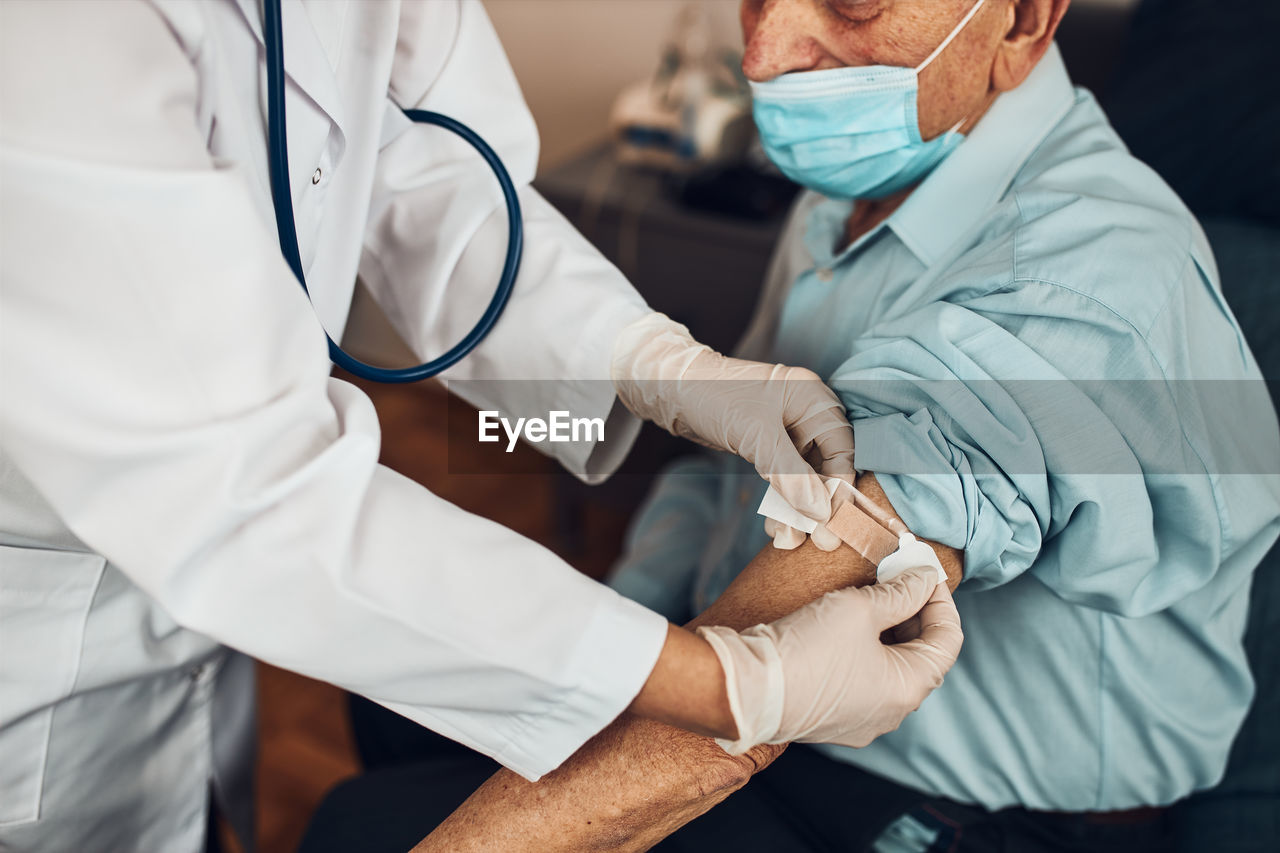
{"x": 824, "y": 227}
{"x": 979, "y": 172}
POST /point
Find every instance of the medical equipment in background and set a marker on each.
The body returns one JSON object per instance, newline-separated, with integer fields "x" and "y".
{"x": 694, "y": 112}
{"x": 282, "y": 199}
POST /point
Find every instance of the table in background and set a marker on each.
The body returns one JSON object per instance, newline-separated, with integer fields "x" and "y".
{"x": 703, "y": 269}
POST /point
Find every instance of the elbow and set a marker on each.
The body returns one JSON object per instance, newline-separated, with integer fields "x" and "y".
{"x": 719, "y": 778}
{"x": 696, "y": 770}
{"x": 723, "y": 774}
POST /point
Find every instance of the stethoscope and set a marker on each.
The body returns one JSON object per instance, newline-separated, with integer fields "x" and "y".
{"x": 282, "y": 198}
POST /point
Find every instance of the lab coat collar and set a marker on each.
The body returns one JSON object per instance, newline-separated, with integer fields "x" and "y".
{"x": 305, "y": 60}
{"x": 979, "y": 172}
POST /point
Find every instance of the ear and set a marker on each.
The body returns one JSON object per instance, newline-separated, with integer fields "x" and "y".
{"x": 1031, "y": 25}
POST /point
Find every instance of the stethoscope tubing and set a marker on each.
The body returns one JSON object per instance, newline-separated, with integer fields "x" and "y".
{"x": 287, "y": 229}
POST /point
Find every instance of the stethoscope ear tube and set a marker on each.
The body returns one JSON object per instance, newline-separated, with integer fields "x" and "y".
{"x": 286, "y": 227}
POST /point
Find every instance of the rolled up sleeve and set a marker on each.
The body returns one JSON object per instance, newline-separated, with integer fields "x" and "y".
{"x": 1033, "y": 470}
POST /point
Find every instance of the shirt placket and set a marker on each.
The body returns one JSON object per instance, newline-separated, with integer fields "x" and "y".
{"x": 815, "y": 287}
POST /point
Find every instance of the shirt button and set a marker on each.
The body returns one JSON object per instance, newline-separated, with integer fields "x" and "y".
{"x": 825, "y": 275}
{"x": 316, "y": 176}
{"x": 196, "y": 672}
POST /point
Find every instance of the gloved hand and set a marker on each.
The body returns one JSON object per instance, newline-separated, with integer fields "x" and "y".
{"x": 783, "y": 420}
{"x": 822, "y": 675}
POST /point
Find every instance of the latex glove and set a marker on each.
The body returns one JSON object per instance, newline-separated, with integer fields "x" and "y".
{"x": 787, "y": 538}
{"x": 822, "y": 675}
{"x": 783, "y": 420}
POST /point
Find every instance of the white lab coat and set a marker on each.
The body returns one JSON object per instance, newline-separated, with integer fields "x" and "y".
{"x": 178, "y": 472}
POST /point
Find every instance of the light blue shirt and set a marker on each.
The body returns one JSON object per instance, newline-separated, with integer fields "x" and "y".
{"x": 1041, "y": 370}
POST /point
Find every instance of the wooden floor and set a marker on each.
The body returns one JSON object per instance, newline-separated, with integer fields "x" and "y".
{"x": 305, "y": 745}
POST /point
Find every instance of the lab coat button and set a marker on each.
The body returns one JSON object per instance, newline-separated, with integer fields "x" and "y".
{"x": 316, "y": 176}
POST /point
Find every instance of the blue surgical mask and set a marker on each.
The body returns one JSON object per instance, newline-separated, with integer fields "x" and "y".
{"x": 852, "y": 133}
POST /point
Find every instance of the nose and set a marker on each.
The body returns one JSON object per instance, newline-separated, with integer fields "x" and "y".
{"x": 778, "y": 38}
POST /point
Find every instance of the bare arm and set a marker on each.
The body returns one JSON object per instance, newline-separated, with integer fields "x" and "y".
{"x": 639, "y": 780}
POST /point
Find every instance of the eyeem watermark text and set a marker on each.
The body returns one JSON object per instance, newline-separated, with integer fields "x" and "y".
{"x": 558, "y": 427}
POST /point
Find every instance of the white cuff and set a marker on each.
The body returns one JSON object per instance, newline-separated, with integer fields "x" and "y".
{"x": 753, "y": 679}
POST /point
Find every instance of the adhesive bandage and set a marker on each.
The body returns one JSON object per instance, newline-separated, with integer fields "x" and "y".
{"x": 878, "y": 536}
{"x": 862, "y": 533}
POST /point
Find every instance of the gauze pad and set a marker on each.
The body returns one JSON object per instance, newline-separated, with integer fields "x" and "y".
{"x": 911, "y": 553}
{"x": 775, "y": 506}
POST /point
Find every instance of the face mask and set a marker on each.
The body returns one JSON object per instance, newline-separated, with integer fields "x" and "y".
{"x": 852, "y": 133}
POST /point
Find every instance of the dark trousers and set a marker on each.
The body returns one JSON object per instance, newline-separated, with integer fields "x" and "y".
{"x": 803, "y": 803}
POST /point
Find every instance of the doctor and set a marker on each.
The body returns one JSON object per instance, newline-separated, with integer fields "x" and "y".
{"x": 179, "y": 475}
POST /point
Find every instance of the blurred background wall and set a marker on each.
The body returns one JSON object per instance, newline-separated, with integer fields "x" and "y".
{"x": 573, "y": 56}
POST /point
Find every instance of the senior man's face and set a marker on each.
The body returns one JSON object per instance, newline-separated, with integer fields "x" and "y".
{"x": 783, "y": 36}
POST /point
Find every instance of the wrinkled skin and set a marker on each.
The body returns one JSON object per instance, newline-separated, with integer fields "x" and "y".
{"x": 638, "y": 781}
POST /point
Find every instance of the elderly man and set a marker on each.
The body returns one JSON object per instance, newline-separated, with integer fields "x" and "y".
{"x": 1026, "y": 328}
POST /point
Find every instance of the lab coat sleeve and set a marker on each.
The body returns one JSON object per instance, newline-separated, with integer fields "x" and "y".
{"x": 438, "y": 232}
{"x": 166, "y": 389}
{"x": 1034, "y": 470}
{"x": 669, "y": 536}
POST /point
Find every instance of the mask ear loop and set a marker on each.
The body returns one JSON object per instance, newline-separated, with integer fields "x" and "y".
{"x": 956, "y": 127}
{"x": 964, "y": 22}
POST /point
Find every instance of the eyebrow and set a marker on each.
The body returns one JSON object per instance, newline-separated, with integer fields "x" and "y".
{"x": 858, "y": 5}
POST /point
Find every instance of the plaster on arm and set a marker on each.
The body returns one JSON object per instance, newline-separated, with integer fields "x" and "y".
{"x": 638, "y": 781}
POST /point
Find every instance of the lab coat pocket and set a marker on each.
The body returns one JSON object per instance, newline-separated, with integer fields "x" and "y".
{"x": 45, "y": 598}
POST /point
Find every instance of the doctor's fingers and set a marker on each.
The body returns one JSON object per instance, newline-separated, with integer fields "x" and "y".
{"x": 785, "y": 538}
{"x": 794, "y": 478}
{"x": 903, "y": 632}
{"x": 913, "y": 627}
{"x": 825, "y": 438}
{"x": 825, "y": 539}
{"x": 893, "y": 602}
{"x": 941, "y": 636}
